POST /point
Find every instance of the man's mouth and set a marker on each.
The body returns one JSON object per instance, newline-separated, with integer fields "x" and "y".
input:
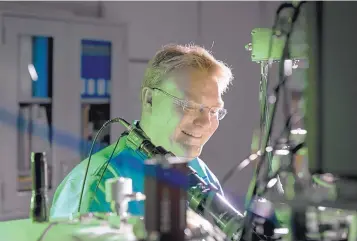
{"x": 192, "y": 134}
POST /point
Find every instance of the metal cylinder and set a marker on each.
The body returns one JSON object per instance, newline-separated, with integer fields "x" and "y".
{"x": 207, "y": 202}
{"x": 116, "y": 193}
{"x": 39, "y": 199}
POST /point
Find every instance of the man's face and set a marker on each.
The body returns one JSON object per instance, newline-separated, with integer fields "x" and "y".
{"x": 179, "y": 127}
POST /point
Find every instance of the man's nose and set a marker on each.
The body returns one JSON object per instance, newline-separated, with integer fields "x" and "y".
{"x": 203, "y": 119}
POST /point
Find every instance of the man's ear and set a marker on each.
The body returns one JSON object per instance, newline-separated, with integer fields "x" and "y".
{"x": 146, "y": 96}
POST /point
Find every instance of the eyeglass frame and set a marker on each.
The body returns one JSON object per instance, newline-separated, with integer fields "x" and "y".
{"x": 184, "y": 103}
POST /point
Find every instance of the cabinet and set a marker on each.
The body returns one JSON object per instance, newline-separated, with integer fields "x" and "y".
{"x": 57, "y": 75}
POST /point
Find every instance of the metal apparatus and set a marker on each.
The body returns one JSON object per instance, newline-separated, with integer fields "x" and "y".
{"x": 209, "y": 203}
{"x": 306, "y": 207}
{"x": 119, "y": 192}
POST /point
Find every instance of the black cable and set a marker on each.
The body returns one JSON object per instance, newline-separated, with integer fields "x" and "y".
{"x": 286, "y": 103}
{"x": 233, "y": 170}
{"x": 270, "y": 48}
{"x": 277, "y": 89}
{"x": 249, "y": 219}
{"x": 282, "y": 83}
{"x": 293, "y": 151}
{"x": 236, "y": 167}
{"x": 283, "y": 79}
{"x": 89, "y": 160}
{"x": 106, "y": 165}
{"x": 283, "y": 6}
{"x": 47, "y": 229}
{"x": 86, "y": 173}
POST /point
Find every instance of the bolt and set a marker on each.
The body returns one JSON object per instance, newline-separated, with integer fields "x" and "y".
{"x": 249, "y": 47}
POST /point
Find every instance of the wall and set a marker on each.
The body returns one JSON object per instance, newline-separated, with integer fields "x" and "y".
{"x": 89, "y": 8}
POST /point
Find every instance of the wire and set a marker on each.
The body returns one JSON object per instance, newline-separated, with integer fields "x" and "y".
{"x": 253, "y": 156}
{"x": 277, "y": 88}
{"x": 236, "y": 167}
{"x": 293, "y": 151}
{"x": 283, "y": 78}
{"x": 47, "y": 229}
{"x": 248, "y": 220}
{"x": 90, "y": 158}
{"x": 106, "y": 165}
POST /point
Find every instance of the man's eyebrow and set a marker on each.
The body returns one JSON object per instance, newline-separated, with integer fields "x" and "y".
{"x": 219, "y": 104}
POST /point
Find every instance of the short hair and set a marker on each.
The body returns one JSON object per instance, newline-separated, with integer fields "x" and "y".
{"x": 173, "y": 57}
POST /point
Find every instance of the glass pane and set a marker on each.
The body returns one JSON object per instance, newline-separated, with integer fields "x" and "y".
{"x": 35, "y": 108}
{"x": 96, "y": 76}
{"x": 36, "y": 67}
{"x": 93, "y": 117}
{"x": 34, "y": 135}
{"x": 96, "y": 68}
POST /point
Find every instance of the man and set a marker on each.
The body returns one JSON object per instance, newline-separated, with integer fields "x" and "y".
{"x": 181, "y": 109}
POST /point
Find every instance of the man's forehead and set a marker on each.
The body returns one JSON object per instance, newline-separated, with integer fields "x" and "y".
{"x": 185, "y": 81}
{"x": 199, "y": 90}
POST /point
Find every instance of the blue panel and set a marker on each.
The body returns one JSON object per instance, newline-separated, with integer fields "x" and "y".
{"x": 95, "y": 67}
{"x": 40, "y": 62}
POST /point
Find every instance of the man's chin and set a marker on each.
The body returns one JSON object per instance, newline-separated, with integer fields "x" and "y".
{"x": 190, "y": 152}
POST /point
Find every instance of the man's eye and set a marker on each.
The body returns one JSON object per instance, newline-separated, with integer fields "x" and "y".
{"x": 215, "y": 111}
{"x": 189, "y": 107}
